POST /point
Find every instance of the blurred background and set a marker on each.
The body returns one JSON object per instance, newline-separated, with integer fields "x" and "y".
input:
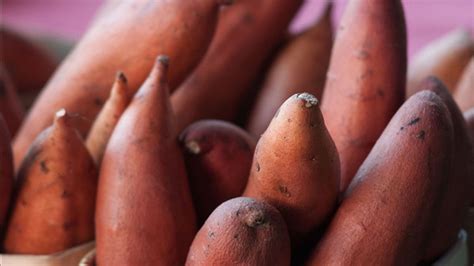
{"x": 426, "y": 19}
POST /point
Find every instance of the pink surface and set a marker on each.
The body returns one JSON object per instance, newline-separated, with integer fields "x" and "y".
{"x": 426, "y": 19}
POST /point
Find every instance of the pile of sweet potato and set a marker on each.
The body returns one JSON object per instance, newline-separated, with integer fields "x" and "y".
{"x": 223, "y": 140}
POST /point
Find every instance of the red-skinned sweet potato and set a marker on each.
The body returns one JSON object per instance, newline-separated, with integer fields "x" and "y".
{"x": 296, "y": 167}
{"x": 6, "y": 172}
{"x": 245, "y": 37}
{"x": 54, "y": 198}
{"x": 218, "y": 156}
{"x": 444, "y": 58}
{"x": 182, "y": 29}
{"x": 242, "y": 231}
{"x": 464, "y": 94}
{"x": 10, "y": 106}
{"x": 388, "y": 211}
{"x": 366, "y": 79}
{"x": 301, "y": 65}
{"x": 108, "y": 117}
{"x": 145, "y": 214}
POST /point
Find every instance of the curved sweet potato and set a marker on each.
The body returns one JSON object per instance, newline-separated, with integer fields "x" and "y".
{"x": 389, "y": 208}
{"x": 218, "y": 156}
{"x": 242, "y": 231}
{"x": 144, "y": 212}
{"x": 464, "y": 94}
{"x": 108, "y": 117}
{"x": 245, "y": 37}
{"x": 53, "y": 204}
{"x": 296, "y": 167}
{"x": 444, "y": 58}
{"x": 366, "y": 79}
{"x": 6, "y": 172}
{"x": 301, "y": 65}
{"x": 181, "y": 29}
{"x": 10, "y": 106}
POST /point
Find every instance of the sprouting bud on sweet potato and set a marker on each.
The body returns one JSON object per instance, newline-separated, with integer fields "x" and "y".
{"x": 108, "y": 117}
{"x": 389, "y": 209}
{"x": 246, "y": 36}
{"x": 54, "y": 198}
{"x": 242, "y": 231}
{"x": 6, "y": 172}
{"x": 145, "y": 214}
{"x": 128, "y": 35}
{"x": 218, "y": 156}
{"x": 444, "y": 58}
{"x": 296, "y": 167}
{"x": 301, "y": 65}
{"x": 366, "y": 79}
{"x": 464, "y": 94}
{"x": 10, "y": 106}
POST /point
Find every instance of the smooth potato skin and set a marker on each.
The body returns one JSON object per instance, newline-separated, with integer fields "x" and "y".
{"x": 144, "y": 213}
{"x": 108, "y": 117}
{"x": 115, "y": 42}
{"x": 54, "y": 198}
{"x": 242, "y": 231}
{"x": 464, "y": 94}
{"x": 10, "y": 106}
{"x": 366, "y": 79}
{"x": 300, "y": 66}
{"x": 444, "y": 58}
{"x": 387, "y": 212}
{"x": 457, "y": 193}
{"x": 218, "y": 156}
{"x": 246, "y": 36}
{"x": 296, "y": 167}
{"x": 6, "y": 172}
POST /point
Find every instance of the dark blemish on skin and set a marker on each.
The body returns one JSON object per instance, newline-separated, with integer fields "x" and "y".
{"x": 236, "y": 236}
{"x": 363, "y": 226}
{"x": 23, "y": 202}
{"x": 421, "y": 135}
{"x": 44, "y": 167}
{"x": 65, "y": 194}
{"x": 402, "y": 128}
{"x": 248, "y": 18}
{"x": 258, "y": 167}
{"x": 211, "y": 234}
{"x": 367, "y": 74}
{"x": 98, "y": 102}
{"x": 362, "y": 54}
{"x": 380, "y": 92}
{"x": 284, "y": 190}
{"x": 414, "y": 121}
{"x": 289, "y": 120}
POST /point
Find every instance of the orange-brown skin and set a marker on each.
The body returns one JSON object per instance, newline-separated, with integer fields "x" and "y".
{"x": 246, "y": 36}
{"x": 366, "y": 79}
{"x": 457, "y": 194}
{"x": 108, "y": 117}
{"x": 242, "y": 231}
{"x": 29, "y": 64}
{"x": 444, "y": 58}
{"x": 296, "y": 167}
{"x": 387, "y": 212}
{"x": 145, "y": 214}
{"x": 218, "y": 156}
{"x": 10, "y": 106}
{"x": 6, "y": 172}
{"x": 54, "y": 198}
{"x": 469, "y": 117}
{"x": 300, "y": 66}
{"x": 464, "y": 94}
{"x": 127, "y": 36}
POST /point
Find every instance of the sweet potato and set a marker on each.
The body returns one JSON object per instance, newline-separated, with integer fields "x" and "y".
{"x": 464, "y": 94}
{"x": 366, "y": 79}
{"x": 242, "y": 231}
{"x": 457, "y": 194}
{"x": 245, "y": 37}
{"x": 301, "y": 65}
{"x": 218, "y": 156}
{"x": 108, "y": 117}
{"x": 127, "y": 36}
{"x": 6, "y": 172}
{"x": 444, "y": 58}
{"x": 53, "y": 204}
{"x": 296, "y": 167}
{"x": 144, "y": 212}
{"x": 388, "y": 210}
{"x": 10, "y": 106}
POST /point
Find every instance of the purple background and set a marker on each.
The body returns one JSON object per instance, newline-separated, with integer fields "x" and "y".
{"x": 426, "y": 19}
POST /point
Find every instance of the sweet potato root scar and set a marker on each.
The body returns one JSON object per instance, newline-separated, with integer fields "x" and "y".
{"x": 310, "y": 99}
